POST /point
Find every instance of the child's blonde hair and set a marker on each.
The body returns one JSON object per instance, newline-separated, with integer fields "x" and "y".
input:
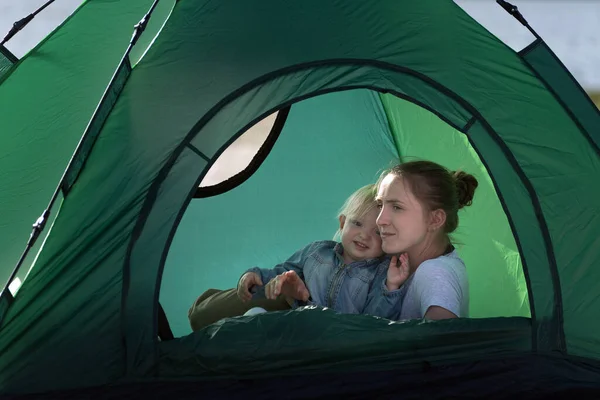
{"x": 358, "y": 205}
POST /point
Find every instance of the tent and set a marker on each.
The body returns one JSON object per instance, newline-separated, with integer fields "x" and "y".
{"x": 118, "y": 133}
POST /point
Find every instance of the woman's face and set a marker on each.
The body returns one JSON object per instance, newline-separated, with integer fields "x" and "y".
{"x": 402, "y": 220}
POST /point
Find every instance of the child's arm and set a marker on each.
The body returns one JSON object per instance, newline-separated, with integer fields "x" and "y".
{"x": 384, "y": 299}
{"x": 294, "y": 263}
{"x": 288, "y": 284}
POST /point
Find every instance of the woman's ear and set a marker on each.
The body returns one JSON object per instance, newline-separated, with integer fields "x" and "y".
{"x": 342, "y": 221}
{"x": 437, "y": 219}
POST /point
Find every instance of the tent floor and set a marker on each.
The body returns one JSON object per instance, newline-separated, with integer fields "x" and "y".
{"x": 525, "y": 377}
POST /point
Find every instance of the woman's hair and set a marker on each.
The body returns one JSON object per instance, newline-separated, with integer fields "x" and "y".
{"x": 437, "y": 188}
{"x": 358, "y": 204}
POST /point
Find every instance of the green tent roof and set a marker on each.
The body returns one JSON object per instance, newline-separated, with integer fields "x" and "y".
{"x": 367, "y": 84}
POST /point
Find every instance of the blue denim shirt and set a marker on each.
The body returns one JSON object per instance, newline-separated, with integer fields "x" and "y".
{"x": 344, "y": 288}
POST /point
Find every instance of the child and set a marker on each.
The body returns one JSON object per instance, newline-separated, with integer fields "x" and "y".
{"x": 337, "y": 275}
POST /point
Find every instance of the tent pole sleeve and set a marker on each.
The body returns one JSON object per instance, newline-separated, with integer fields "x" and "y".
{"x": 8, "y": 54}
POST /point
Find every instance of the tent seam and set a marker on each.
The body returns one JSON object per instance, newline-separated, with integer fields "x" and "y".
{"x": 198, "y": 152}
{"x": 534, "y": 325}
{"x": 531, "y": 46}
{"x": 468, "y": 126}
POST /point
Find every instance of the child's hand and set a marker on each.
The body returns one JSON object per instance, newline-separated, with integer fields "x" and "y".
{"x": 288, "y": 284}
{"x": 397, "y": 275}
{"x": 247, "y": 281}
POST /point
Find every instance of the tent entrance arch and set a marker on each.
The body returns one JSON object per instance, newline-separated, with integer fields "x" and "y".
{"x": 415, "y": 147}
{"x": 451, "y": 118}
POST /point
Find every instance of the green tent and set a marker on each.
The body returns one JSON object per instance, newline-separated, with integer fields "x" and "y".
{"x": 119, "y": 137}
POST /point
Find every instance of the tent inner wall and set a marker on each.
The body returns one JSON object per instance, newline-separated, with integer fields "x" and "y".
{"x": 321, "y": 156}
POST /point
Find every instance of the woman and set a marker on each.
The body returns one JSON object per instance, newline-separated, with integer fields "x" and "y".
{"x": 419, "y": 203}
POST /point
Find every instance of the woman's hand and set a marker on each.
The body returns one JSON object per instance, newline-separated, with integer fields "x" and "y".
{"x": 397, "y": 275}
{"x": 247, "y": 282}
{"x": 289, "y": 284}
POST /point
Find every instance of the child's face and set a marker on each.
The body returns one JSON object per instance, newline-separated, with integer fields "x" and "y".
{"x": 360, "y": 237}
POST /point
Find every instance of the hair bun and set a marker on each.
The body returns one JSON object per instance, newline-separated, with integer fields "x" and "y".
{"x": 465, "y": 187}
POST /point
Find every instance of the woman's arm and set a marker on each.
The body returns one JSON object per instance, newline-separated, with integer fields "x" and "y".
{"x": 437, "y": 313}
{"x": 440, "y": 290}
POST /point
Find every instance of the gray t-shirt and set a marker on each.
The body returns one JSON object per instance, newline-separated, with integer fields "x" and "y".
{"x": 441, "y": 282}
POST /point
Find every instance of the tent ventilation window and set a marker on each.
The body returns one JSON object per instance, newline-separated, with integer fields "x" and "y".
{"x": 224, "y": 175}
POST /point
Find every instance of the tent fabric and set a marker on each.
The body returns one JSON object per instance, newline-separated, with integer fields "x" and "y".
{"x": 344, "y": 343}
{"x": 62, "y": 79}
{"x": 587, "y": 117}
{"x": 198, "y": 82}
{"x": 93, "y": 129}
{"x": 567, "y": 90}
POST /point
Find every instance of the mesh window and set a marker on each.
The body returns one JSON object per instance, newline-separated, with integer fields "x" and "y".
{"x": 7, "y": 60}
